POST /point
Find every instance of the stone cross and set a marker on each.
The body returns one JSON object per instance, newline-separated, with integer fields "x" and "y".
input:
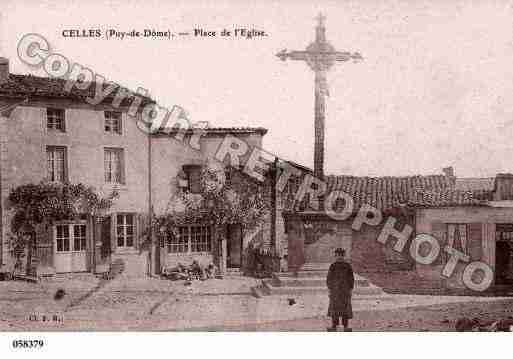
{"x": 320, "y": 56}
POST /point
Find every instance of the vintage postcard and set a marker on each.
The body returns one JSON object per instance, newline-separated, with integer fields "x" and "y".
{"x": 256, "y": 166}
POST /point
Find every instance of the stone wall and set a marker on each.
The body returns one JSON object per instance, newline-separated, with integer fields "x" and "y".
{"x": 23, "y": 142}
{"x": 169, "y": 155}
{"x": 363, "y": 250}
{"x": 24, "y": 137}
{"x": 434, "y": 221}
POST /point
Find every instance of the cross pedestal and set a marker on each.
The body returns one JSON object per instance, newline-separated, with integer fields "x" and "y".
{"x": 313, "y": 238}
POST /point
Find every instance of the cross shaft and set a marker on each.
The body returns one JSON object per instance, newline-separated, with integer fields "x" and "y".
{"x": 320, "y": 56}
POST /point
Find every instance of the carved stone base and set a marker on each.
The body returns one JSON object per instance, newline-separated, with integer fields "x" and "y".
{"x": 313, "y": 238}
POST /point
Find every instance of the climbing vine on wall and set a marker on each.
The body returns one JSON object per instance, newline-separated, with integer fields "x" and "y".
{"x": 240, "y": 200}
{"x": 46, "y": 203}
{"x": 33, "y": 204}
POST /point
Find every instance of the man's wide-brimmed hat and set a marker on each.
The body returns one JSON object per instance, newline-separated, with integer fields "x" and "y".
{"x": 340, "y": 252}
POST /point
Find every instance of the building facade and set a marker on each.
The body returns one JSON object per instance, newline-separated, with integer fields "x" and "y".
{"x": 51, "y": 135}
{"x": 172, "y": 160}
{"x": 473, "y": 216}
{"x": 478, "y": 222}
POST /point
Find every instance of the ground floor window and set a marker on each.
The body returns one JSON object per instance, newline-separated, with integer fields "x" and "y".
{"x": 125, "y": 229}
{"x": 504, "y": 232}
{"x": 457, "y": 235}
{"x": 70, "y": 237}
{"x": 190, "y": 239}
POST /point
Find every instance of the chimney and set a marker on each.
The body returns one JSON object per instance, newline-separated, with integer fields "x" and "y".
{"x": 4, "y": 70}
{"x": 448, "y": 171}
{"x": 503, "y": 187}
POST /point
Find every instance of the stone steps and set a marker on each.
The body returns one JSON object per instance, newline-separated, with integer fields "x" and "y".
{"x": 303, "y": 274}
{"x": 233, "y": 272}
{"x": 311, "y": 279}
{"x": 129, "y": 264}
{"x": 270, "y": 289}
{"x": 63, "y": 277}
{"x": 308, "y": 267}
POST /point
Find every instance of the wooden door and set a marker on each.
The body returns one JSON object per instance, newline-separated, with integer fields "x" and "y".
{"x": 234, "y": 246}
{"x": 504, "y": 254}
{"x": 70, "y": 244}
{"x": 79, "y": 254}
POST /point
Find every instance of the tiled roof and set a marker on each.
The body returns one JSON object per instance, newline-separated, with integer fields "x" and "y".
{"x": 386, "y": 193}
{"x": 222, "y": 130}
{"x": 475, "y": 184}
{"x": 298, "y": 166}
{"x": 23, "y": 86}
{"x": 450, "y": 198}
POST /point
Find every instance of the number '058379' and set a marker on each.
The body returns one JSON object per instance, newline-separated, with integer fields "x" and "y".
{"x": 27, "y": 344}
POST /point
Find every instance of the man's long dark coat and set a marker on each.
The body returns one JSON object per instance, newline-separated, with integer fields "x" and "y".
{"x": 340, "y": 282}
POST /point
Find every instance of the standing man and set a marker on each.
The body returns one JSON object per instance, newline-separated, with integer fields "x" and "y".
{"x": 340, "y": 283}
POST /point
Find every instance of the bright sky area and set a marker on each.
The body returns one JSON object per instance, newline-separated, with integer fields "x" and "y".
{"x": 435, "y": 88}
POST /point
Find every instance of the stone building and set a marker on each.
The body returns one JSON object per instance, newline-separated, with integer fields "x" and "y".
{"x": 474, "y": 216}
{"x": 50, "y": 134}
{"x": 171, "y": 159}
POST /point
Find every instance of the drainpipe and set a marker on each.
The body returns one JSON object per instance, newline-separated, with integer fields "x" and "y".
{"x": 153, "y": 250}
{"x": 1, "y": 209}
{"x": 273, "y": 203}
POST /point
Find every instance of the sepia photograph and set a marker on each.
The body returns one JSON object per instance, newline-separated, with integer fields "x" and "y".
{"x": 272, "y": 166}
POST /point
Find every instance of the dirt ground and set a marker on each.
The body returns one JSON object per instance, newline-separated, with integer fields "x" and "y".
{"x": 440, "y": 318}
{"x": 158, "y": 305}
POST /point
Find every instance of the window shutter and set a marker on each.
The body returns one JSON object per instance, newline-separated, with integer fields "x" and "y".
{"x": 107, "y": 243}
{"x": 142, "y": 231}
{"x": 63, "y": 117}
{"x": 44, "y": 246}
{"x": 463, "y": 232}
{"x": 439, "y": 231}
{"x": 193, "y": 173}
{"x": 138, "y": 231}
{"x": 122, "y": 168}
{"x": 475, "y": 242}
{"x": 120, "y": 123}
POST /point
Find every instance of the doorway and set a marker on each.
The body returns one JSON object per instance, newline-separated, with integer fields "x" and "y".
{"x": 70, "y": 242}
{"x": 234, "y": 246}
{"x": 504, "y": 254}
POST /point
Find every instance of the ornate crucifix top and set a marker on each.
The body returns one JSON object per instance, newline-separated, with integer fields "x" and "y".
{"x": 320, "y": 56}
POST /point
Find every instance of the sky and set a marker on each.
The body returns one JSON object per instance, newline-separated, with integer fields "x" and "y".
{"x": 435, "y": 88}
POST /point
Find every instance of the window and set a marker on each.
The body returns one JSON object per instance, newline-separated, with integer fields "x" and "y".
{"x": 70, "y": 237}
{"x": 79, "y": 237}
{"x": 113, "y": 122}
{"x": 193, "y": 173}
{"x": 62, "y": 238}
{"x": 55, "y": 119}
{"x": 56, "y": 163}
{"x": 114, "y": 165}
{"x": 457, "y": 235}
{"x": 200, "y": 239}
{"x": 228, "y": 175}
{"x": 291, "y": 188}
{"x": 125, "y": 230}
{"x": 193, "y": 239}
{"x": 180, "y": 243}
